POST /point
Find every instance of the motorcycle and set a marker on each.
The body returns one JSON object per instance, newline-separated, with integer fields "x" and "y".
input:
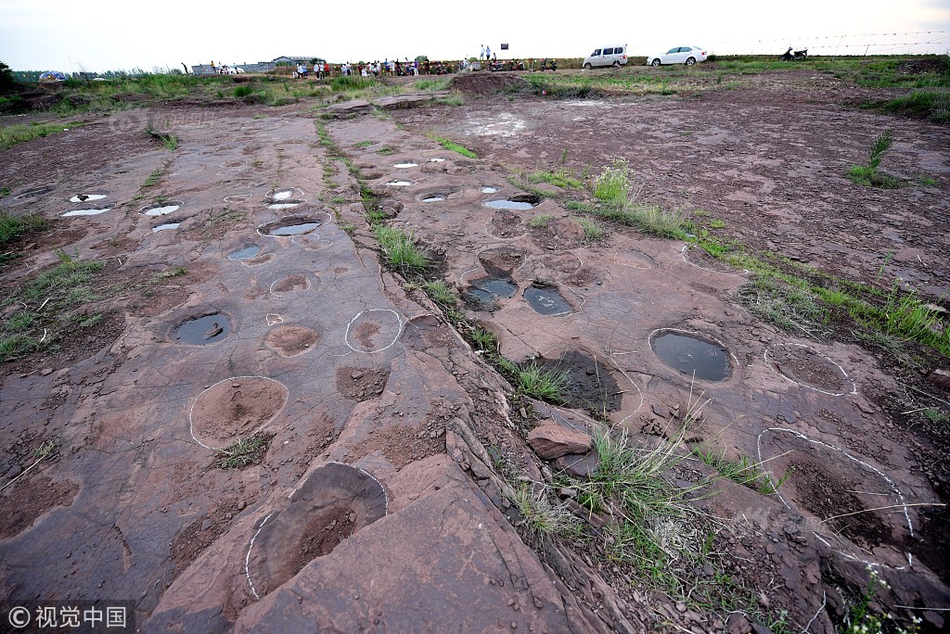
{"x": 796, "y": 56}
{"x": 548, "y": 64}
{"x": 496, "y": 66}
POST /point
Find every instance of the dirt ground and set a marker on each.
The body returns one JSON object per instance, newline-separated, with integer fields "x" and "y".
{"x": 380, "y": 504}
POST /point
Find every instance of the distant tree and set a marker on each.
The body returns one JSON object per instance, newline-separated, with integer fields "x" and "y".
{"x": 7, "y": 80}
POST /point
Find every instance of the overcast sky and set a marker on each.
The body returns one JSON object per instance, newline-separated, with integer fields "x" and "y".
{"x": 100, "y": 35}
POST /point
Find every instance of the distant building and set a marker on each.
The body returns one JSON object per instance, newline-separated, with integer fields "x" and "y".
{"x": 259, "y": 67}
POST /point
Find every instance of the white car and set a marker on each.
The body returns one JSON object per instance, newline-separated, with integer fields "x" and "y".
{"x": 688, "y": 55}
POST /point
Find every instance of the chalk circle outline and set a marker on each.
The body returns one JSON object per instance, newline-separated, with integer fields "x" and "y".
{"x": 854, "y": 385}
{"x": 237, "y": 198}
{"x": 270, "y": 289}
{"x": 191, "y": 410}
{"x": 293, "y": 192}
{"x": 702, "y": 336}
{"x": 273, "y": 319}
{"x": 178, "y": 204}
{"x": 310, "y": 234}
{"x": 893, "y": 486}
{"x": 544, "y": 265}
{"x": 263, "y": 523}
{"x": 289, "y": 221}
{"x": 399, "y": 320}
{"x": 649, "y": 260}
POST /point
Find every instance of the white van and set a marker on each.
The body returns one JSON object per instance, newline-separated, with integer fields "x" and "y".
{"x": 615, "y": 56}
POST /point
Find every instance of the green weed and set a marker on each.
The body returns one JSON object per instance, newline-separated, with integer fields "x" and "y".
{"x": 538, "y": 515}
{"x": 401, "y": 251}
{"x": 243, "y": 453}
{"x": 12, "y": 227}
{"x": 441, "y": 292}
{"x": 870, "y": 174}
{"x": 452, "y": 146}
{"x": 19, "y": 133}
{"x": 545, "y": 384}
{"x": 592, "y": 231}
{"x": 540, "y": 221}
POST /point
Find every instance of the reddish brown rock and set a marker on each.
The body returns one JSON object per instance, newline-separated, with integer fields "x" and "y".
{"x": 551, "y": 440}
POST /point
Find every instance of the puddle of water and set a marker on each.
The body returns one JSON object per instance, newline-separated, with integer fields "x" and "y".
{"x": 488, "y": 189}
{"x": 293, "y": 227}
{"x": 511, "y": 205}
{"x": 165, "y": 227}
{"x": 518, "y": 202}
{"x": 162, "y": 211}
{"x": 283, "y": 194}
{"x": 496, "y": 286}
{"x": 546, "y": 301}
{"x": 287, "y": 204}
{"x": 86, "y": 198}
{"x": 688, "y": 353}
{"x": 203, "y": 330}
{"x": 86, "y": 212}
{"x": 246, "y": 253}
{"x": 404, "y": 166}
{"x": 434, "y": 199}
{"x": 437, "y": 160}
{"x": 399, "y": 183}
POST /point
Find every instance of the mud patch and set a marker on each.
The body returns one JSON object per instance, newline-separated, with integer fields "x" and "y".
{"x": 289, "y": 341}
{"x": 373, "y": 330}
{"x": 290, "y": 283}
{"x": 361, "y": 384}
{"x": 501, "y": 261}
{"x": 547, "y": 300}
{"x": 560, "y": 233}
{"x": 29, "y": 499}
{"x": 809, "y": 368}
{"x": 334, "y": 502}
{"x": 200, "y": 331}
{"x": 235, "y": 408}
{"x": 590, "y": 385}
{"x": 506, "y": 224}
{"x": 692, "y": 354}
{"x": 839, "y": 490}
{"x": 192, "y": 540}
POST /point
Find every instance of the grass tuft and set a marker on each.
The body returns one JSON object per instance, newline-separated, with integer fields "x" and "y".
{"x": 244, "y": 452}
{"x": 401, "y": 252}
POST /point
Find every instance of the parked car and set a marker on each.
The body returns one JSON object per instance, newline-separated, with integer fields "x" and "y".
{"x": 615, "y": 56}
{"x": 688, "y": 55}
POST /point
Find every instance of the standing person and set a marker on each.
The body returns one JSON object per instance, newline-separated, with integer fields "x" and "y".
{"x": 487, "y": 53}
{"x": 326, "y": 69}
{"x": 481, "y": 55}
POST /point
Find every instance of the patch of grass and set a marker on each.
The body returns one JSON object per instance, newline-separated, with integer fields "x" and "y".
{"x": 536, "y": 381}
{"x": 593, "y": 232}
{"x": 538, "y": 515}
{"x": 559, "y": 178}
{"x": 743, "y": 470}
{"x": 452, "y": 146}
{"x": 441, "y": 292}
{"x": 934, "y": 415}
{"x": 612, "y": 185}
{"x": 789, "y": 307}
{"x": 716, "y": 223}
{"x": 432, "y": 84}
{"x": 483, "y": 340}
{"x": 540, "y": 221}
{"x": 365, "y": 144}
{"x": 19, "y": 133}
{"x": 218, "y": 218}
{"x": 454, "y": 99}
{"x": 51, "y": 307}
{"x": 926, "y": 180}
{"x": 869, "y": 174}
{"x": 153, "y": 178}
{"x": 927, "y": 104}
{"x": 12, "y": 227}
{"x": 650, "y": 219}
{"x": 401, "y": 252}
{"x": 243, "y": 91}
{"x": 243, "y": 453}
{"x": 386, "y": 150}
